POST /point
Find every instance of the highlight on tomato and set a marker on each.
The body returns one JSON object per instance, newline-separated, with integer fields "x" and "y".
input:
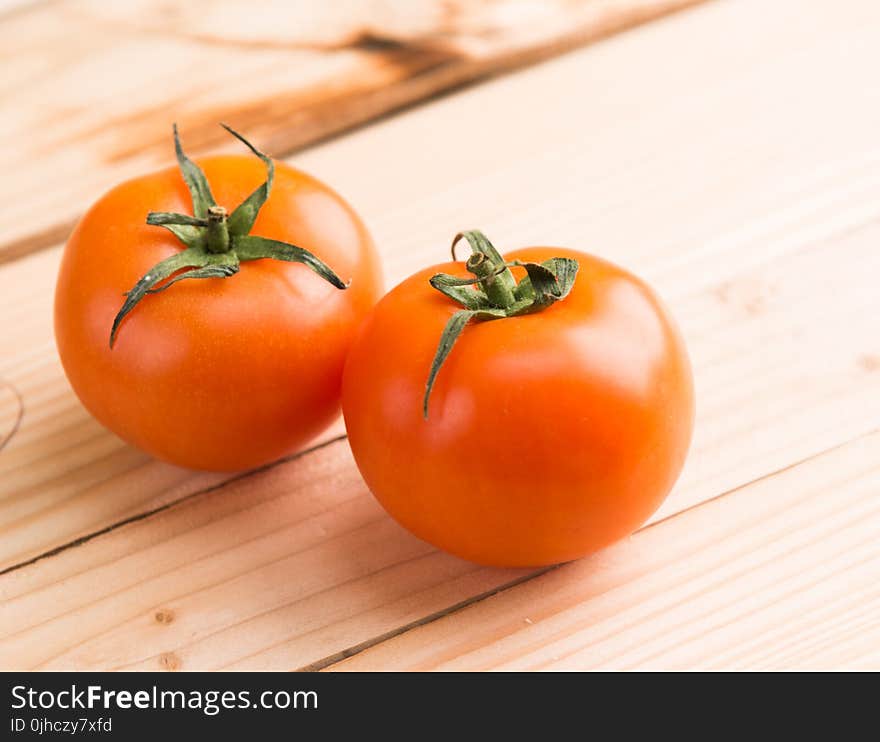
{"x": 204, "y": 314}
{"x": 521, "y": 410}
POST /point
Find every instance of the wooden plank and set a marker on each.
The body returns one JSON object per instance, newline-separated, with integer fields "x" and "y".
{"x": 747, "y": 188}
{"x": 288, "y": 567}
{"x": 97, "y": 84}
{"x": 781, "y": 574}
{"x": 765, "y": 247}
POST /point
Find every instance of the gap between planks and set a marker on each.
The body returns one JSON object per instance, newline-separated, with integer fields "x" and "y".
{"x": 689, "y": 592}
{"x": 162, "y": 508}
{"x": 339, "y": 658}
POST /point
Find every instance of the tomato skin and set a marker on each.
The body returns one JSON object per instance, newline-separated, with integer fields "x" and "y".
{"x": 216, "y": 374}
{"x": 549, "y": 435}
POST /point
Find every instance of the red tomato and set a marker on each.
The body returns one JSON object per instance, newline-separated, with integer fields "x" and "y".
{"x": 216, "y": 373}
{"x": 549, "y": 435}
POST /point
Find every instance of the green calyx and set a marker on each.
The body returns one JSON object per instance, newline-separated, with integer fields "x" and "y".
{"x": 216, "y": 242}
{"x": 493, "y": 292}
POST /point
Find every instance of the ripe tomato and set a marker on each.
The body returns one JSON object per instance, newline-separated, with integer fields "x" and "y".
{"x": 217, "y": 373}
{"x": 548, "y": 436}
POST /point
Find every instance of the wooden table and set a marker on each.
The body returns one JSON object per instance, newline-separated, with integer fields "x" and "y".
{"x": 728, "y": 153}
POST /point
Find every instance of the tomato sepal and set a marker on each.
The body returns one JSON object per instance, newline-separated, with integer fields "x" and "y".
{"x": 547, "y": 282}
{"x": 242, "y": 219}
{"x": 182, "y": 226}
{"x": 220, "y": 270}
{"x": 194, "y": 177}
{"x": 461, "y": 290}
{"x": 191, "y": 258}
{"x": 451, "y": 332}
{"x": 251, "y": 247}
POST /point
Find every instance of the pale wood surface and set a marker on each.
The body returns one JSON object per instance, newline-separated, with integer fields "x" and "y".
{"x": 286, "y": 568}
{"x": 742, "y": 179}
{"x": 92, "y": 85}
{"x": 782, "y": 573}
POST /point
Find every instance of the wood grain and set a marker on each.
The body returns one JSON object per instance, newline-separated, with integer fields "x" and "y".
{"x": 754, "y": 214}
{"x": 299, "y": 552}
{"x": 96, "y": 85}
{"x": 285, "y": 568}
{"x": 747, "y": 188}
{"x": 781, "y": 574}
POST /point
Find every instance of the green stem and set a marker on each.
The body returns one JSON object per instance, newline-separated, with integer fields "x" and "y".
{"x": 216, "y": 242}
{"x": 491, "y": 278}
{"x": 217, "y": 233}
{"x": 499, "y": 295}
